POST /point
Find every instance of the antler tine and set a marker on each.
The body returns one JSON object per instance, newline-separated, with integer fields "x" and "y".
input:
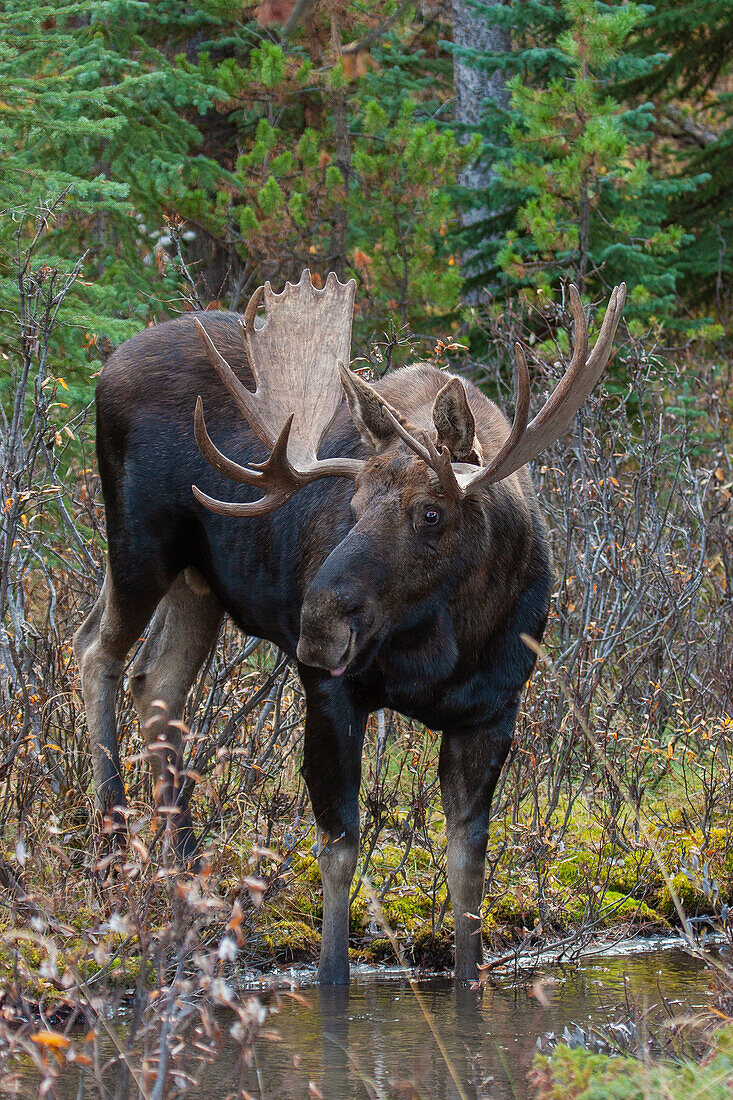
{"x": 259, "y": 477}
{"x": 407, "y": 437}
{"x": 602, "y": 351}
{"x": 276, "y": 475}
{"x": 213, "y": 455}
{"x": 578, "y": 363}
{"x": 438, "y": 461}
{"x": 580, "y": 334}
{"x": 242, "y": 510}
{"x": 564, "y": 401}
{"x": 243, "y": 397}
{"x": 251, "y": 311}
{"x": 441, "y": 463}
{"x": 521, "y": 415}
{"x": 247, "y": 328}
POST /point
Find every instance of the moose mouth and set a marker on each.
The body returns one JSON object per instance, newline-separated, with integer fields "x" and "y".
{"x": 346, "y": 657}
{"x": 338, "y": 639}
{"x": 357, "y": 655}
{"x": 320, "y": 653}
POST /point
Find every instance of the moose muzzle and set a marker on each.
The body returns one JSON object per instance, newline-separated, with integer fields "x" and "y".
{"x": 327, "y": 636}
{"x": 341, "y": 610}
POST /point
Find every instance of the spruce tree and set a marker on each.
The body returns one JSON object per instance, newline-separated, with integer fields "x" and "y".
{"x": 474, "y": 35}
{"x": 576, "y": 196}
{"x": 201, "y": 133}
{"x": 694, "y": 132}
{"x": 342, "y": 165}
{"x": 95, "y": 124}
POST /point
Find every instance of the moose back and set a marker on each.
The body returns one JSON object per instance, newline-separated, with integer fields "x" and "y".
{"x": 385, "y": 536}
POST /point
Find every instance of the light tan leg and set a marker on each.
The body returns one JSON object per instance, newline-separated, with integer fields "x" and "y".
{"x": 101, "y": 645}
{"x": 182, "y": 632}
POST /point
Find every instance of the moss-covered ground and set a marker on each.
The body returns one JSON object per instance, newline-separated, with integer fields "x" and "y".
{"x": 579, "y": 1075}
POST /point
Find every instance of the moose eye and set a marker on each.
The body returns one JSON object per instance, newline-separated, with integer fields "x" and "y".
{"x": 431, "y": 517}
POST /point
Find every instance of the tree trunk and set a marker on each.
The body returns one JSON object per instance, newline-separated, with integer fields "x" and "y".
{"x": 473, "y": 86}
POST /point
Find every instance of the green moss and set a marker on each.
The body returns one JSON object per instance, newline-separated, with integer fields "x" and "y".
{"x": 379, "y": 950}
{"x": 577, "y": 869}
{"x": 306, "y": 869}
{"x": 292, "y": 941}
{"x": 619, "y": 909}
{"x": 574, "y": 907}
{"x": 358, "y": 915}
{"x": 579, "y": 1075}
{"x": 123, "y": 972}
{"x": 31, "y": 963}
{"x": 635, "y": 873}
{"x": 82, "y": 918}
{"x": 421, "y": 859}
{"x": 407, "y": 913}
{"x": 718, "y": 852}
{"x": 719, "y": 848}
{"x": 388, "y": 857}
{"x": 432, "y": 951}
{"x": 516, "y": 909}
{"x": 611, "y": 906}
{"x": 693, "y": 900}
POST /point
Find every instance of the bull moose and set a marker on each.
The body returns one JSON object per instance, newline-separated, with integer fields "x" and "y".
{"x": 390, "y": 543}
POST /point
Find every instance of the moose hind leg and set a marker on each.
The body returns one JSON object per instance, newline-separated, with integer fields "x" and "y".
{"x": 101, "y": 645}
{"x": 469, "y": 766}
{"x": 334, "y": 734}
{"x": 182, "y": 632}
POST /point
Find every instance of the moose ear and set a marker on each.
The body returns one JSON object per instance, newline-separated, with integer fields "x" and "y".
{"x": 455, "y": 422}
{"x": 367, "y": 410}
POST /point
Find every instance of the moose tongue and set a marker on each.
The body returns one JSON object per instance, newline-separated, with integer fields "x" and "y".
{"x": 338, "y": 671}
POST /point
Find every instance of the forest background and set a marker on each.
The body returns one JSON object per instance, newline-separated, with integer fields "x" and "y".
{"x": 463, "y": 162}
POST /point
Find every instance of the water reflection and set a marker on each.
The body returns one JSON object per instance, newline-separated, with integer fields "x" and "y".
{"x": 374, "y": 1041}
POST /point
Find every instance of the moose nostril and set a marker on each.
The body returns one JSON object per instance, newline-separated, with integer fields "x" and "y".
{"x": 334, "y": 600}
{"x": 350, "y": 605}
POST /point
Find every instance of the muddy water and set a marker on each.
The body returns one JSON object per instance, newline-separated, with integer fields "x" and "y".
{"x": 373, "y": 1040}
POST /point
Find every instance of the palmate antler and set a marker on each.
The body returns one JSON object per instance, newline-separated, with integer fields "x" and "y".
{"x": 294, "y": 355}
{"x": 525, "y": 441}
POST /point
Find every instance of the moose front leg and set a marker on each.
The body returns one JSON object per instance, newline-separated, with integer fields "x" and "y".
{"x": 334, "y": 734}
{"x": 470, "y": 763}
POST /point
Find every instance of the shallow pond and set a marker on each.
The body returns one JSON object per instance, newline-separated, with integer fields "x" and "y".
{"x": 377, "y": 1039}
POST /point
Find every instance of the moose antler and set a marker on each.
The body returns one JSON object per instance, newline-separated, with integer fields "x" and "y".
{"x": 294, "y": 355}
{"x": 525, "y": 441}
